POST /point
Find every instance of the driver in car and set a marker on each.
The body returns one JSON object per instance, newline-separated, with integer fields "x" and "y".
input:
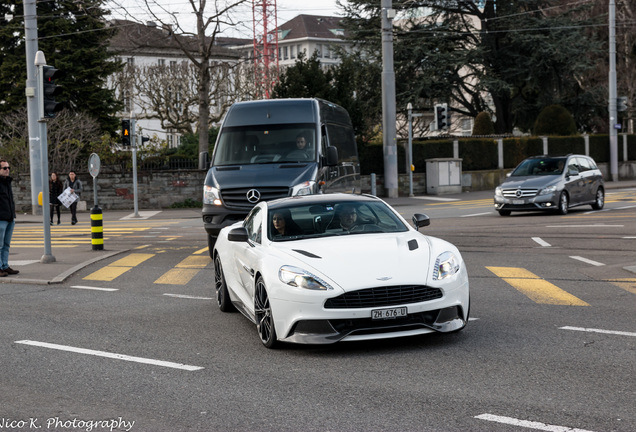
{"x": 348, "y": 216}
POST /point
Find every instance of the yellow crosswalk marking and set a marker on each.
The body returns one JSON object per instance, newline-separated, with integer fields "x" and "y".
{"x": 628, "y": 285}
{"x": 184, "y": 271}
{"x": 177, "y": 276}
{"x": 119, "y": 267}
{"x": 537, "y": 289}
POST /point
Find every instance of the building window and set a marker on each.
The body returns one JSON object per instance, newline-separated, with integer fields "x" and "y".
{"x": 285, "y": 53}
{"x": 130, "y": 61}
{"x": 291, "y": 52}
{"x": 326, "y": 50}
{"x": 319, "y": 51}
{"x": 161, "y": 62}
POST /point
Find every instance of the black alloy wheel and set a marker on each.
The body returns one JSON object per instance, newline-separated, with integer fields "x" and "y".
{"x": 263, "y": 312}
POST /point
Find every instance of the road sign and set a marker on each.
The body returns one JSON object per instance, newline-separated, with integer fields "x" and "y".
{"x": 94, "y": 165}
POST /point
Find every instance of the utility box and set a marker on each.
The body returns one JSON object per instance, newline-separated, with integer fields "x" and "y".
{"x": 443, "y": 176}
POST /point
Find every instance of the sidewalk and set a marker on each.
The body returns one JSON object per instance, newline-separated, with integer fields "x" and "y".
{"x": 28, "y": 260}
{"x": 70, "y": 260}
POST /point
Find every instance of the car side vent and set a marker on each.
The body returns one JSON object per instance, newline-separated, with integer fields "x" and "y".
{"x": 413, "y": 244}
{"x": 308, "y": 254}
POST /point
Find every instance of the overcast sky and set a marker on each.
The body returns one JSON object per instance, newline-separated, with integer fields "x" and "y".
{"x": 287, "y": 9}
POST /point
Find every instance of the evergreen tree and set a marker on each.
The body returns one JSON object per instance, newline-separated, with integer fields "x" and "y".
{"x": 514, "y": 57}
{"x": 74, "y": 38}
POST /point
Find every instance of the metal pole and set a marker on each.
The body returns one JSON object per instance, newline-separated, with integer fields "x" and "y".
{"x": 133, "y": 143}
{"x": 31, "y": 46}
{"x": 409, "y": 107}
{"x": 388, "y": 102}
{"x": 612, "y": 93}
{"x": 48, "y": 257}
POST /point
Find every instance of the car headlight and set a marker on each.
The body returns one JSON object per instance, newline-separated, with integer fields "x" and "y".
{"x": 446, "y": 265}
{"x": 297, "y": 277}
{"x": 547, "y": 191}
{"x": 211, "y": 195}
{"x": 498, "y": 191}
{"x": 304, "y": 188}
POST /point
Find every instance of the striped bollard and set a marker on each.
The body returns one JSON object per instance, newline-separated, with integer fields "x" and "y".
{"x": 97, "y": 229}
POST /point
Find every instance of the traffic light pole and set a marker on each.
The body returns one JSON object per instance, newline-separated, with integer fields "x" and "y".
{"x": 48, "y": 257}
{"x": 133, "y": 143}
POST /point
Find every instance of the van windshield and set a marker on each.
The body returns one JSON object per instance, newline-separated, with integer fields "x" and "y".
{"x": 260, "y": 144}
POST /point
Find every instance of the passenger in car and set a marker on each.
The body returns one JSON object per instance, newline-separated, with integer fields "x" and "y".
{"x": 283, "y": 224}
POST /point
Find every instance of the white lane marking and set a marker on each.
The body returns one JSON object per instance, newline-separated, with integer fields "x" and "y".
{"x": 142, "y": 215}
{"x": 591, "y": 330}
{"x": 436, "y": 198}
{"x": 18, "y": 263}
{"x": 585, "y": 226}
{"x": 625, "y": 208}
{"x": 476, "y": 214}
{"x": 588, "y": 261}
{"x": 94, "y": 288}
{"x": 528, "y": 424}
{"x": 473, "y": 319}
{"x": 188, "y": 297}
{"x": 541, "y": 241}
{"x": 110, "y": 355}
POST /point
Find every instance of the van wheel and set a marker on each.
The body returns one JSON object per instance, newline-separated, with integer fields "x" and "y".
{"x": 211, "y": 243}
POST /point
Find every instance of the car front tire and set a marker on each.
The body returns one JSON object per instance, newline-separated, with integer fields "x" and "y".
{"x": 211, "y": 243}
{"x": 222, "y": 296}
{"x": 263, "y": 313}
{"x": 599, "y": 202}
{"x": 564, "y": 202}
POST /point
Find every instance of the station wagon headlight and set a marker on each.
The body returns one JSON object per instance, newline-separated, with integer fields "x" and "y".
{"x": 211, "y": 195}
{"x": 498, "y": 191}
{"x": 297, "y": 277}
{"x": 548, "y": 191}
{"x": 304, "y": 188}
{"x": 446, "y": 265}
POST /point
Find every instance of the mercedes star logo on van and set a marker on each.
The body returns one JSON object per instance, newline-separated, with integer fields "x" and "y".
{"x": 253, "y": 196}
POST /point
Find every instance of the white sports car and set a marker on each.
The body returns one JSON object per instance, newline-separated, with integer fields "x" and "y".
{"x": 326, "y": 268}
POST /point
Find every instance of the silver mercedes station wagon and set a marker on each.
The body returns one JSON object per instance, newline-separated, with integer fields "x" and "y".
{"x": 553, "y": 183}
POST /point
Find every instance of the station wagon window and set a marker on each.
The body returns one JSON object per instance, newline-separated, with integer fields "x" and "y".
{"x": 584, "y": 164}
{"x": 254, "y": 225}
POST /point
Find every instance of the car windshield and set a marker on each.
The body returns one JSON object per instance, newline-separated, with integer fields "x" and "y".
{"x": 331, "y": 219}
{"x": 540, "y": 167}
{"x": 266, "y": 144}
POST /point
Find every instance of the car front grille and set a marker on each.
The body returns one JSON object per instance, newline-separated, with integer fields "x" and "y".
{"x": 384, "y": 296}
{"x": 519, "y": 193}
{"x": 237, "y": 198}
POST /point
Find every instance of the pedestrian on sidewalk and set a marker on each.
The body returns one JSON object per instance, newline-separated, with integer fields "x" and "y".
{"x": 76, "y": 187}
{"x": 55, "y": 189}
{"x": 7, "y": 218}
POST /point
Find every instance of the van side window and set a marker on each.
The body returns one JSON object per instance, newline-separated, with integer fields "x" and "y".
{"x": 343, "y": 139}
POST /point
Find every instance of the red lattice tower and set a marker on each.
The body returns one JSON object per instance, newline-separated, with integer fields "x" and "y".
{"x": 265, "y": 46}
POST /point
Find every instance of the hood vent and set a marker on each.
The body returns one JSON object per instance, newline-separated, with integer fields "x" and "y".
{"x": 307, "y": 254}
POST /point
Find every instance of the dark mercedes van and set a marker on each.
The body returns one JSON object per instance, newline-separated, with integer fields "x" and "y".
{"x": 275, "y": 148}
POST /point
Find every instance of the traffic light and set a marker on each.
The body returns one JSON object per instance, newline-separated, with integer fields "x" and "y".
{"x": 441, "y": 116}
{"x": 125, "y": 132}
{"x": 50, "y": 90}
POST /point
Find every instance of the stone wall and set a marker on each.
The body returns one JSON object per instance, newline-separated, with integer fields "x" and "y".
{"x": 161, "y": 189}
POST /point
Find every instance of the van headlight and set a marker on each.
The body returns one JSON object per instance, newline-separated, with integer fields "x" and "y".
{"x": 300, "y": 278}
{"x": 304, "y": 188}
{"x": 211, "y": 195}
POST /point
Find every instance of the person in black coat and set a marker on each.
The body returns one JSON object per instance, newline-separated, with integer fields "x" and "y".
{"x": 7, "y": 218}
{"x": 55, "y": 189}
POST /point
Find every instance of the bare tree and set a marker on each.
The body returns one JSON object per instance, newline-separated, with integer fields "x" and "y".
{"x": 212, "y": 18}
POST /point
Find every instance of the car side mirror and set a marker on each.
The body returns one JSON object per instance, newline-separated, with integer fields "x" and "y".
{"x": 332, "y": 156}
{"x": 420, "y": 220}
{"x": 238, "y": 235}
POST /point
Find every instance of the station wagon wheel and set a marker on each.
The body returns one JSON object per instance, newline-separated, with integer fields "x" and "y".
{"x": 599, "y": 202}
{"x": 222, "y": 296}
{"x": 564, "y": 202}
{"x": 263, "y": 313}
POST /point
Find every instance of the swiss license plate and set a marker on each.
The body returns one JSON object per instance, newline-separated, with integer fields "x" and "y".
{"x": 518, "y": 202}
{"x": 389, "y": 313}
